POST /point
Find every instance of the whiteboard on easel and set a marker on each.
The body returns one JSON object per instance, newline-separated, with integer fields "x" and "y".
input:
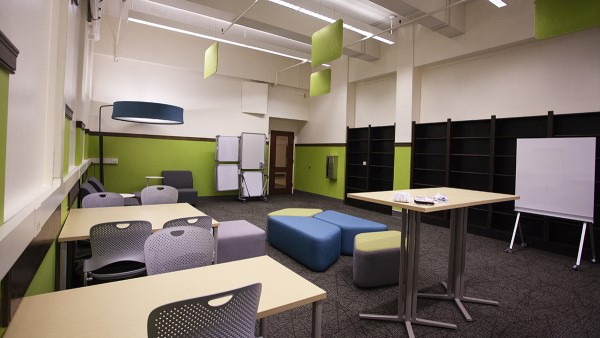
{"x": 227, "y": 148}
{"x": 252, "y": 151}
{"x": 556, "y": 177}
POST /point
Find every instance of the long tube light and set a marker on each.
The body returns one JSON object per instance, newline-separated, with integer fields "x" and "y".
{"x": 498, "y": 3}
{"x": 183, "y": 31}
{"x": 330, "y": 20}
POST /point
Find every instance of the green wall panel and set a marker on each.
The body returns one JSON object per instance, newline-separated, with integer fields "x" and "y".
{"x": 556, "y": 17}
{"x": 79, "y": 136}
{"x": 402, "y": 167}
{"x": 3, "y": 129}
{"x": 141, "y": 156}
{"x": 309, "y": 170}
{"x": 66, "y": 145}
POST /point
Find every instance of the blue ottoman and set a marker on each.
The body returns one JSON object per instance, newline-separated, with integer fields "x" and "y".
{"x": 350, "y": 226}
{"x": 314, "y": 243}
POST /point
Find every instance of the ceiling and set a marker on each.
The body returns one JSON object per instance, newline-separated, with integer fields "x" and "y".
{"x": 269, "y": 25}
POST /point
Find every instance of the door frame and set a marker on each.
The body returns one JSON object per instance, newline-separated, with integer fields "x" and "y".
{"x": 290, "y": 162}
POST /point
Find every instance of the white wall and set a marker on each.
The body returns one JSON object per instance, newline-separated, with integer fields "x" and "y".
{"x": 560, "y": 74}
{"x": 376, "y": 102}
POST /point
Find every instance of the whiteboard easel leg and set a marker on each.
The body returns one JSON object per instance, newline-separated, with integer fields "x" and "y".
{"x": 592, "y": 241}
{"x": 577, "y": 264}
{"x": 512, "y": 240}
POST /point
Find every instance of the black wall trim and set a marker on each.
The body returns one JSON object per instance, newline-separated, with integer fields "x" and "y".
{"x": 321, "y": 145}
{"x": 80, "y": 125}
{"x": 8, "y": 54}
{"x": 21, "y": 274}
{"x": 402, "y": 144}
{"x": 68, "y": 112}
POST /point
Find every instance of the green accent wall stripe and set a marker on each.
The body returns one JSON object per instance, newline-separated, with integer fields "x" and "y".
{"x": 402, "y": 167}
{"x": 309, "y": 170}
{"x": 66, "y": 145}
{"x": 79, "y": 138}
{"x": 3, "y": 129}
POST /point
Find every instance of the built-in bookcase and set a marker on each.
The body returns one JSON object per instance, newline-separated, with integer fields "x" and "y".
{"x": 481, "y": 155}
{"x": 369, "y": 163}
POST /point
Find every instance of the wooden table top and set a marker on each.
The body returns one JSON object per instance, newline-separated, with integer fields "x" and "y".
{"x": 457, "y": 198}
{"x": 79, "y": 221}
{"x": 120, "y": 309}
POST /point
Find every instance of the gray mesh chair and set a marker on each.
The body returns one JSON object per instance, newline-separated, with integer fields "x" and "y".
{"x": 86, "y": 189}
{"x": 159, "y": 194}
{"x": 196, "y": 317}
{"x": 102, "y": 199}
{"x": 117, "y": 250}
{"x": 178, "y": 248}
{"x": 204, "y": 222}
{"x": 96, "y": 183}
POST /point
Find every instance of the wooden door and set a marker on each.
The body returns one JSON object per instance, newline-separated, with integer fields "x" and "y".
{"x": 281, "y": 162}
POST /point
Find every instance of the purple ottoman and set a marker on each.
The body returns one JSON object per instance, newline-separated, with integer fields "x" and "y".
{"x": 238, "y": 240}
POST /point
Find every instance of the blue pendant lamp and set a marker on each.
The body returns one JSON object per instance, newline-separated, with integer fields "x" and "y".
{"x": 138, "y": 112}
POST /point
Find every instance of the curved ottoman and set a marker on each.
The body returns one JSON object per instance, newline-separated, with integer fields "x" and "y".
{"x": 314, "y": 243}
{"x": 376, "y": 260}
{"x": 350, "y": 226}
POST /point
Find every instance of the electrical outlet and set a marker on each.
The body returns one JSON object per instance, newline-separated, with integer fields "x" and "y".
{"x": 107, "y": 160}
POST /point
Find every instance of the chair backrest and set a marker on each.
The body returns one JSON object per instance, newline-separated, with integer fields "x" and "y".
{"x": 96, "y": 183}
{"x": 178, "y": 179}
{"x": 178, "y": 248}
{"x": 117, "y": 241}
{"x": 200, "y": 317}
{"x": 102, "y": 199}
{"x": 159, "y": 194}
{"x": 86, "y": 189}
{"x": 204, "y": 222}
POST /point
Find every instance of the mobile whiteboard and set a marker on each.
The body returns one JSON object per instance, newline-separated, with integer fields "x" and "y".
{"x": 226, "y": 177}
{"x": 227, "y": 148}
{"x": 555, "y": 177}
{"x": 252, "y": 151}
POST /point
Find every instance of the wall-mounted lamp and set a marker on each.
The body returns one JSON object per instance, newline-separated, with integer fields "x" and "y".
{"x": 138, "y": 112}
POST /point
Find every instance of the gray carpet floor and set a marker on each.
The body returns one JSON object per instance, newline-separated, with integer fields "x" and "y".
{"x": 540, "y": 295}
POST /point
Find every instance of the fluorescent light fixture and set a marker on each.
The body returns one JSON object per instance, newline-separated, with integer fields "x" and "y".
{"x": 498, "y": 3}
{"x": 330, "y": 20}
{"x": 183, "y": 31}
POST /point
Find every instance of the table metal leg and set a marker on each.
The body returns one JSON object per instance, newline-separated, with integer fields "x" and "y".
{"x": 62, "y": 272}
{"x": 262, "y": 330}
{"x": 408, "y": 278}
{"x": 455, "y": 289}
{"x": 216, "y": 239}
{"x": 317, "y": 319}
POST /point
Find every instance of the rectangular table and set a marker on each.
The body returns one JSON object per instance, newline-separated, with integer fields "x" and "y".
{"x": 121, "y": 309}
{"x": 458, "y": 202}
{"x": 79, "y": 221}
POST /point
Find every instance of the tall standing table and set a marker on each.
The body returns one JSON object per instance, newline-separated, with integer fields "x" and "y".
{"x": 458, "y": 200}
{"x": 80, "y": 221}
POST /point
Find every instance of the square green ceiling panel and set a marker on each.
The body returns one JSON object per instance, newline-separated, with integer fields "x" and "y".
{"x": 211, "y": 60}
{"x": 327, "y": 43}
{"x": 556, "y": 17}
{"x": 320, "y": 82}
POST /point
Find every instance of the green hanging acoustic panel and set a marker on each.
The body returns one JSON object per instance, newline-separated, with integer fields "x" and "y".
{"x": 320, "y": 82}
{"x": 327, "y": 43}
{"x": 557, "y": 17}
{"x": 211, "y": 60}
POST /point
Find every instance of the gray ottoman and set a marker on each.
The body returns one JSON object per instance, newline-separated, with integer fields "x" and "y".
{"x": 376, "y": 260}
{"x": 238, "y": 240}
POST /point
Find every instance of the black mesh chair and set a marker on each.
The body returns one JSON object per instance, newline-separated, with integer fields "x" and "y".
{"x": 117, "y": 250}
{"x": 208, "y": 316}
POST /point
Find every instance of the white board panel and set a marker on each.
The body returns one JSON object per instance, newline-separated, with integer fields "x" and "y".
{"x": 252, "y": 184}
{"x": 227, "y": 149}
{"x": 226, "y": 177}
{"x": 555, "y": 177}
{"x": 252, "y": 151}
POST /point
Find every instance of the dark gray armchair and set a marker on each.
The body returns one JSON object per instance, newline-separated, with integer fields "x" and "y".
{"x": 183, "y": 182}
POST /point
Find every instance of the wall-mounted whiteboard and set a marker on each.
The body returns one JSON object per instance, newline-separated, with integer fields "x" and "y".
{"x": 226, "y": 177}
{"x": 252, "y": 151}
{"x": 555, "y": 177}
{"x": 227, "y": 149}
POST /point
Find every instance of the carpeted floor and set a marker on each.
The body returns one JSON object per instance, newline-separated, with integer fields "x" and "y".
{"x": 539, "y": 294}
